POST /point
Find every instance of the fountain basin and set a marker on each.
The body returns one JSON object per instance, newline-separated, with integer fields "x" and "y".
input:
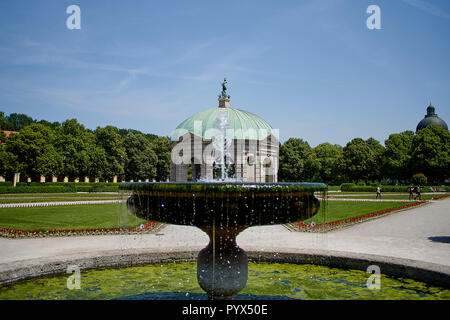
{"x": 222, "y": 210}
{"x": 224, "y": 204}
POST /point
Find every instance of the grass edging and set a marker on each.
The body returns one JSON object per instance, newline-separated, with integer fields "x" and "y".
{"x": 149, "y": 227}
{"x": 339, "y": 224}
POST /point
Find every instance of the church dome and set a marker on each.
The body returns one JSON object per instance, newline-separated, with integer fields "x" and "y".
{"x": 242, "y": 124}
{"x": 431, "y": 118}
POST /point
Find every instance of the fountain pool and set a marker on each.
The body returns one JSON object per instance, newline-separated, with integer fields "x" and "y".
{"x": 178, "y": 281}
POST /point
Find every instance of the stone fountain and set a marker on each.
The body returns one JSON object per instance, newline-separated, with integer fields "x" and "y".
{"x": 223, "y": 210}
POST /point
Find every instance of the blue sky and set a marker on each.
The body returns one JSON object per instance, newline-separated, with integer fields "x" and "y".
{"x": 310, "y": 68}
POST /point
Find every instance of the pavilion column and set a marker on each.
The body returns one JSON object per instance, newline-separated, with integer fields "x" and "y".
{"x": 173, "y": 172}
{"x": 16, "y": 178}
{"x": 114, "y": 179}
{"x": 181, "y": 172}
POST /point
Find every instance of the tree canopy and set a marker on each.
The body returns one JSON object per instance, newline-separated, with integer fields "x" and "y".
{"x": 70, "y": 149}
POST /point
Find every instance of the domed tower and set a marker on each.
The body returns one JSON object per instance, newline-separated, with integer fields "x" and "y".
{"x": 431, "y": 118}
{"x": 223, "y": 136}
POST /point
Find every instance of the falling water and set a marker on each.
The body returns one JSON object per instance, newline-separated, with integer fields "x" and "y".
{"x": 222, "y": 144}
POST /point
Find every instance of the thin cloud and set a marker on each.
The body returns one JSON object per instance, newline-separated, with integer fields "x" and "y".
{"x": 429, "y": 8}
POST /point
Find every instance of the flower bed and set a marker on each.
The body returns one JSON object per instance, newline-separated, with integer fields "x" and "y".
{"x": 441, "y": 197}
{"x": 327, "y": 226}
{"x": 148, "y": 227}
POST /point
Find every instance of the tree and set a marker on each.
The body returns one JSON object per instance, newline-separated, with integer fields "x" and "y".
{"x": 419, "y": 179}
{"x": 377, "y": 150}
{"x": 431, "y": 153}
{"x": 161, "y": 146}
{"x": 362, "y": 159}
{"x": 17, "y": 121}
{"x": 35, "y": 150}
{"x": 110, "y": 141}
{"x": 294, "y": 154}
{"x": 73, "y": 145}
{"x": 330, "y": 158}
{"x": 397, "y": 156}
{"x": 141, "y": 158}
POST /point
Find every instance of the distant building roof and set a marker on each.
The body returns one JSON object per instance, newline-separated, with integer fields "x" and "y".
{"x": 7, "y": 133}
{"x": 431, "y": 118}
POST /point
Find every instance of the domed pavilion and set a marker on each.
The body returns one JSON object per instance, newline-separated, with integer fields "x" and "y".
{"x": 431, "y": 118}
{"x": 224, "y": 137}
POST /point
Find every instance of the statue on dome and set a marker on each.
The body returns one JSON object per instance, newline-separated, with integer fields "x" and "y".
{"x": 224, "y": 90}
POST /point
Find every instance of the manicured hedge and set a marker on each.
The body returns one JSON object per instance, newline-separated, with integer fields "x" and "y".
{"x": 60, "y": 187}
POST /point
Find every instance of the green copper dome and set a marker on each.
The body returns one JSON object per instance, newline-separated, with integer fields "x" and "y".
{"x": 239, "y": 124}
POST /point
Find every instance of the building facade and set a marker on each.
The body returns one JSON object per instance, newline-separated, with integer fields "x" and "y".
{"x": 240, "y": 142}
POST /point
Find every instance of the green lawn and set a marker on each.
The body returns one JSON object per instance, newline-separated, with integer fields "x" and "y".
{"x": 116, "y": 215}
{"x": 63, "y": 195}
{"x": 55, "y": 197}
{"x": 384, "y": 196}
{"x": 68, "y": 217}
{"x": 339, "y": 210}
{"x": 33, "y": 200}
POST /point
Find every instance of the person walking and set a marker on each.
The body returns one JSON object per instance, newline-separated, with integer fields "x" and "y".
{"x": 418, "y": 193}
{"x": 411, "y": 191}
{"x": 378, "y": 192}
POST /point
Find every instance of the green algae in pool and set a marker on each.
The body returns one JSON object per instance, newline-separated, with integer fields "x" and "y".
{"x": 179, "y": 281}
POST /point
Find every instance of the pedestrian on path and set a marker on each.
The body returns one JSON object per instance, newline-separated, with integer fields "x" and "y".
{"x": 378, "y": 192}
{"x": 411, "y": 191}
{"x": 418, "y": 193}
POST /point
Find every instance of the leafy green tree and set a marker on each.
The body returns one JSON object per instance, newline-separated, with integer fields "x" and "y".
{"x": 294, "y": 159}
{"x": 73, "y": 145}
{"x": 141, "y": 158}
{"x": 97, "y": 159}
{"x": 17, "y": 121}
{"x": 431, "y": 153}
{"x": 377, "y": 150}
{"x": 362, "y": 159}
{"x": 109, "y": 139}
{"x": 397, "y": 156}
{"x": 161, "y": 146}
{"x": 35, "y": 150}
{"x": 2, "y": 120}
{"x": 419, "y": 179}
{"x": 330, "y": 158}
